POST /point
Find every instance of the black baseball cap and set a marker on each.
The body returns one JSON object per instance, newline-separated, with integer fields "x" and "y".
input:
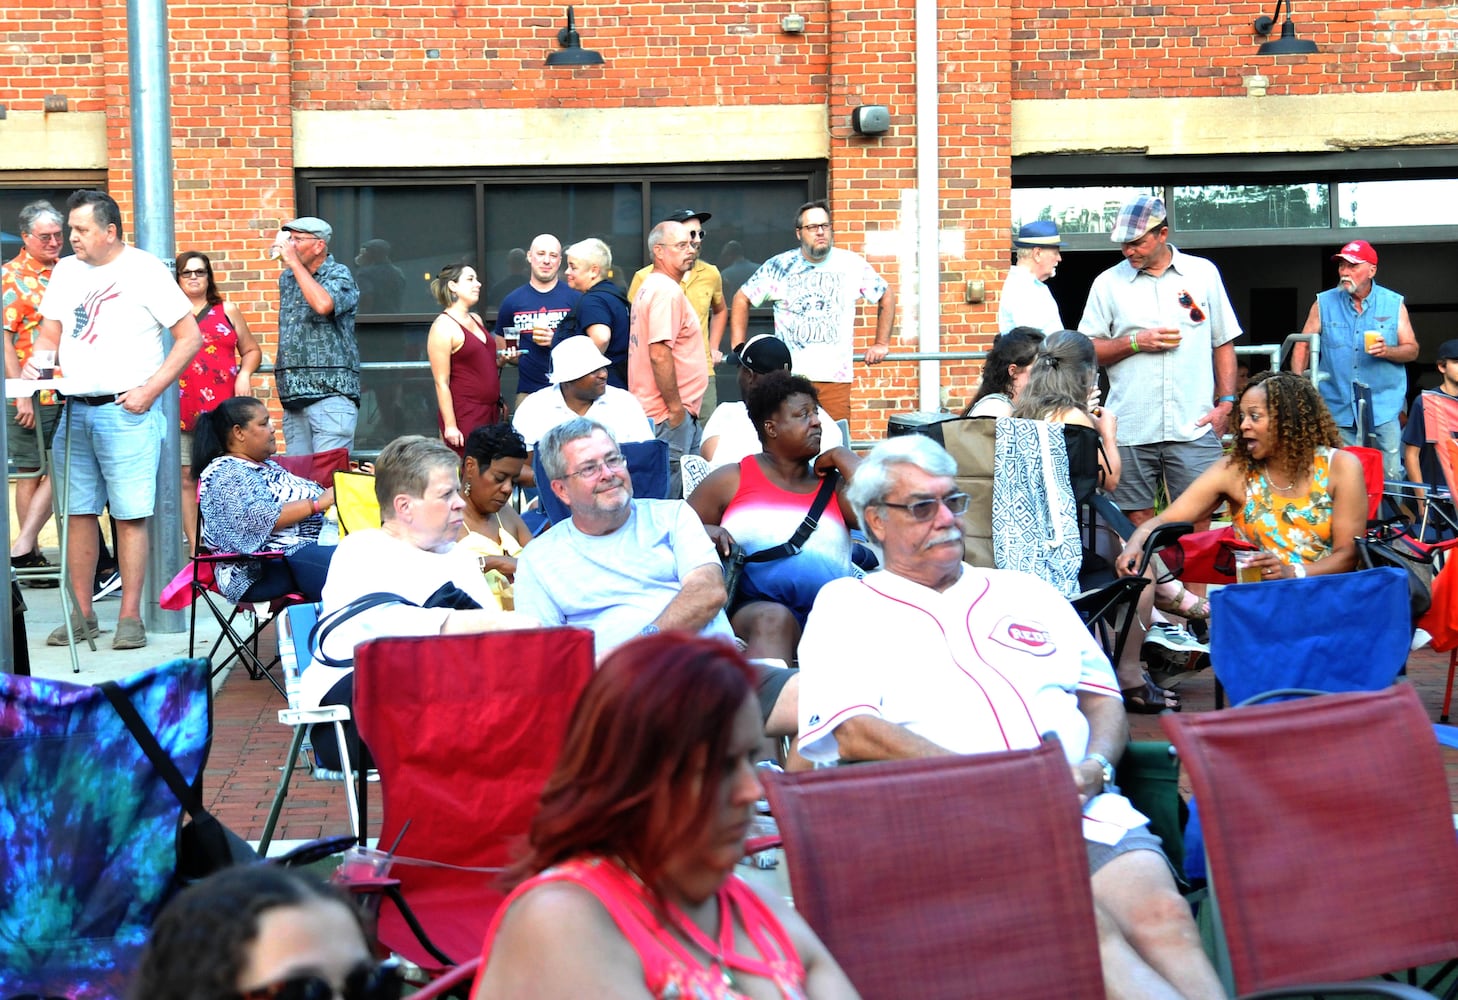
{"x": 764, "y": 354}
{"x": 685, "y": 214}
{"x": 1448, "y": 350}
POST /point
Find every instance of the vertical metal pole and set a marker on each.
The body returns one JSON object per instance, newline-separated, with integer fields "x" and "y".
{"x": 153, "y": 218}
{"x": 7, "y": 633}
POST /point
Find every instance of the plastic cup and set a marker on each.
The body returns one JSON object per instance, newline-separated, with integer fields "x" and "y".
{"x": 1171, "y": 336}
{"x": 513, "y": 339}
{"x": 44, "y": 363}
{"x": 363, "y": 863}
{"x": 1371, "y": 338}
{"x": 542, "y": 336}
{"x": 1246, "y": 570}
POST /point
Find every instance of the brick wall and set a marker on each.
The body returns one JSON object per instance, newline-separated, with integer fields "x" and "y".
{"x": 1105, "y": 49}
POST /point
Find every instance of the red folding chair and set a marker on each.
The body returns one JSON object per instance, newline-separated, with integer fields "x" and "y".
{"x": 1329, "y": 834}
{"x": 949, "y": 878}
{"x": 464, "y": 731}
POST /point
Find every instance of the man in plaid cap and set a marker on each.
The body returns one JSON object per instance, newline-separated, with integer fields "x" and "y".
{"x": 1025, "y": 299}
{"x": 1163, "y": 328}
{"x": 1366, "y": 338}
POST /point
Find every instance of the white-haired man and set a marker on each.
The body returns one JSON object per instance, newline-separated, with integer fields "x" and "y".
{"x": 961, "y": 660}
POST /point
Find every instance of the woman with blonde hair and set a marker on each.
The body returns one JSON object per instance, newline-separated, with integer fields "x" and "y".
{"x": 464, "y": 359}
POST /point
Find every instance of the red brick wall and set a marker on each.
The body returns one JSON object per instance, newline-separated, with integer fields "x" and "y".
{"x": 1106, "y": 49}
{"x": 51, "y": 47}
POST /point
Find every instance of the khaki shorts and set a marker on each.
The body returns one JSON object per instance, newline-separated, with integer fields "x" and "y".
{"x": 834, "y": 398}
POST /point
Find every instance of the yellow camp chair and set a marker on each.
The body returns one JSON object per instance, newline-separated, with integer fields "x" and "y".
{"x": 354, "y": 499}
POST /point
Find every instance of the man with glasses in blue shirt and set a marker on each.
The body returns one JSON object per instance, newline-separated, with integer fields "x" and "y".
{"x": 623, "y": 567}
{"x": 931, "y": 657}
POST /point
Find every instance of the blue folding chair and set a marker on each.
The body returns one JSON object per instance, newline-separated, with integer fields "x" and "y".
{"x": 647, "y": 465}
{"x": 1344, "y": 632}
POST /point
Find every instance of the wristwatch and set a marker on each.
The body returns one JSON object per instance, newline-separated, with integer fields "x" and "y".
{"x": 1105, "y": 766}
{"x": 649, "y": 629}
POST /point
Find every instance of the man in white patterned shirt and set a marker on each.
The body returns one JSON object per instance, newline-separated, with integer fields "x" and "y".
{"x": 1163, "y": 328}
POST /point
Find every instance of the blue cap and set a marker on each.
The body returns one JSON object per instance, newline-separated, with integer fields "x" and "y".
{"x": 1042, "y": 233}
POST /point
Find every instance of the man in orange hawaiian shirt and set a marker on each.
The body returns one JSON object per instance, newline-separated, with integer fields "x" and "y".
{"x": 23, "y": 281}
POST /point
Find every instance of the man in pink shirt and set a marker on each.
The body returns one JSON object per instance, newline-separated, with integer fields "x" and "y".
{"x": 667, "y": 369}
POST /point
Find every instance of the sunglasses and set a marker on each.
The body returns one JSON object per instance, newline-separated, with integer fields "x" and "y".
{"x": 366, "y": 982}
{"x": 698, "y": 234}
{"x": 925, "y": 510}
{"x": 193, "y": 273}
{"x": 1196, "y": 314}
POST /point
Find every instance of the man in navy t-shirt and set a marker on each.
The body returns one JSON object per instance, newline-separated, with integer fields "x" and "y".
{"x": 532, "y": 311}
{"x": 1419, "y": 453}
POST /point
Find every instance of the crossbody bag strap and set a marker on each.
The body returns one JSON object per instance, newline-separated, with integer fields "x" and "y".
{"x": 330, "y": 622}
{"x": 786, "y": 549}
{"x": 162, "y": 761}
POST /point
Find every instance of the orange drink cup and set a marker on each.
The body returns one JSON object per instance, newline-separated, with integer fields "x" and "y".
{"x": 1371, "y": 338}
{"x": 1246, "y": 570}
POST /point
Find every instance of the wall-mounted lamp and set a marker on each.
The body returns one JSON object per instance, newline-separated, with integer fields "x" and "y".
{"x": 572, "y": 52}
{"x": 1288, "y": 44}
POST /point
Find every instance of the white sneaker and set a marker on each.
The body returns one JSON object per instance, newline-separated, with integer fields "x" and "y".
{"x": 1175, "y": 638}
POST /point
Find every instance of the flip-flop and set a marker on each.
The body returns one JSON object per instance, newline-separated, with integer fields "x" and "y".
{"x": 1149, "y": 699}
{"x": 1199, "y": 611}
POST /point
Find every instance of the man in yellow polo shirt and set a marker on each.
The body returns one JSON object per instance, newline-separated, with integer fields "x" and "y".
{"x": 705, "y": 290}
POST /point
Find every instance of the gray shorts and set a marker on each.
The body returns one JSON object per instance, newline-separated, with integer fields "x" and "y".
{"x": 21, "y": 441}
{"x": 1137, "y": 839}
{"x": 1177, "y": 464}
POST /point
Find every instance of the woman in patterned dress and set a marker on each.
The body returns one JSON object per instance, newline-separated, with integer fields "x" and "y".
{"x": 1293, "y": 493}
{"x": 223, "y": 368}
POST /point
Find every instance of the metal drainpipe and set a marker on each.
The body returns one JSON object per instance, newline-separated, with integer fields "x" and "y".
{"x": 153, "y": 219}
{"x": 928, "y": 216}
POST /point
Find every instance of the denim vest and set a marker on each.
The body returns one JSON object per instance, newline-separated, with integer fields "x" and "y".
{"x": 1345, "y": 359}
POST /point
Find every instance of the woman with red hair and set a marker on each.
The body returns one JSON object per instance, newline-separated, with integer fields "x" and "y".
{"x": 628, "y": 888}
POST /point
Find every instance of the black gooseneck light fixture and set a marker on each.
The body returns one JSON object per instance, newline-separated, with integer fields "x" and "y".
{"x": 1288, "y": 44}
{"x": 572, "y": 53}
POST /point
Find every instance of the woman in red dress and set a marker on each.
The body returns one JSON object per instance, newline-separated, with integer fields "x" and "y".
{"x": 464, "y": 358}
{"x": 223, "y": 368}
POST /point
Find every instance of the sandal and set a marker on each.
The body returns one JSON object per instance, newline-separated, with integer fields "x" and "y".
{"x": 1150, "y": 699}
{"x": 1199, "y": 611}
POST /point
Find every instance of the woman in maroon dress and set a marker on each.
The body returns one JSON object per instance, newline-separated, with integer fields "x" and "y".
{"x": 464, "y": 358}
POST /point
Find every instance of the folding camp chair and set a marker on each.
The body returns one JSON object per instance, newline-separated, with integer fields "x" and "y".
{"x": 464, "y": 731}
{"x": 1329, "y": 833}
{"x": 294, "y": 625}
{"x": 693, "y": 469}
{"x": 917, "y": 875}
{"x": 90, "y": 829}
{"x": 355, "y": 501}
{"x": 647, "y": 466}
{"x": 1339, "y": 632}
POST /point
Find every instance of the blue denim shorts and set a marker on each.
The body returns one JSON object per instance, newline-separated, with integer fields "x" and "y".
{"x": 113, "y": 459}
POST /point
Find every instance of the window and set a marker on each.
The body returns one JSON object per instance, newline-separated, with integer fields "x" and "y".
{"x": 1090, "y": 210}
{"x": 1398, "y": 203}
{"x": 1251, "y": 206}
{"x": 13, "y": 199}
{"x": 394, "y": 231}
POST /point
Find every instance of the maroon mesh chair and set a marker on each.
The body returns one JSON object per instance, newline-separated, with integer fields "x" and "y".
{"x": 949, "y": 878}
{"x": 1329, "y": 835}
{"x": 464, "y": 731}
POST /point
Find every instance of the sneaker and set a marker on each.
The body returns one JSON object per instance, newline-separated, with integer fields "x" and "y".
{"x": 86, "y": 628}
{"x": 130, "y": 634}
{"x": 1170, "y": 652}
{"x": 1175, "y": 639}
{"x": 108, "y": 582}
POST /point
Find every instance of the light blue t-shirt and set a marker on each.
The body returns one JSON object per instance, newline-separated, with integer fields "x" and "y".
{"x": 616, "y": 584}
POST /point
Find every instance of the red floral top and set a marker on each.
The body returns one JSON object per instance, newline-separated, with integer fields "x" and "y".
{"x": 23, "y": 283}
{"x": 214, "y": 370}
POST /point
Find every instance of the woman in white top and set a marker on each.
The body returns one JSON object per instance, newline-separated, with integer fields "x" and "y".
{"x": 413, "y": 555}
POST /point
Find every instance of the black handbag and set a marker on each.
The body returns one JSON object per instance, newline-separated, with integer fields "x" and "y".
{"x": 1373, "y": 553}
{"x": 447, "y": 595}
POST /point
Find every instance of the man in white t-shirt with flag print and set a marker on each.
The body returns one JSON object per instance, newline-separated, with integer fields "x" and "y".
{"x": 104, "y": 313}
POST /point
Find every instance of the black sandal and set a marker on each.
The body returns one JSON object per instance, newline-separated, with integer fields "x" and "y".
{"x": 1150, "y": 699}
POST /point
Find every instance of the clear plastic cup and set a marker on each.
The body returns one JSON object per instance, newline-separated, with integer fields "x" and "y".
{"x": 1246, "y": 570}
{"x": 363, "y": 863}
{"x": 44, "y": 363}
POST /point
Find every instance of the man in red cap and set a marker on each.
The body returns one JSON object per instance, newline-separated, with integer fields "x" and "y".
{"x": 1366, "y": 340}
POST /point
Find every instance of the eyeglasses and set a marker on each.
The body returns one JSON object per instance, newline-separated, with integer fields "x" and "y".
{"x": 681, "y": 245}
{"x": 1186, "y": 302}
{"x": 193, "y": 272}
{"x": 698, "y": 234}
{"x": 592, "y": 470}
{"x": 302, "y": 237}
{"x": 45, "y": 237}
{"x": 817, "y": 227}
{"x": 925, "y": 510}
{"x": 366, "y": 982}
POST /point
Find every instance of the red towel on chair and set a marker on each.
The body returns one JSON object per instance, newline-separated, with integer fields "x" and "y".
{"x": 1441, "y": 621}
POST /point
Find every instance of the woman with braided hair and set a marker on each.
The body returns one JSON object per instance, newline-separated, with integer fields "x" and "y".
{"x": 1292, "y": 491}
